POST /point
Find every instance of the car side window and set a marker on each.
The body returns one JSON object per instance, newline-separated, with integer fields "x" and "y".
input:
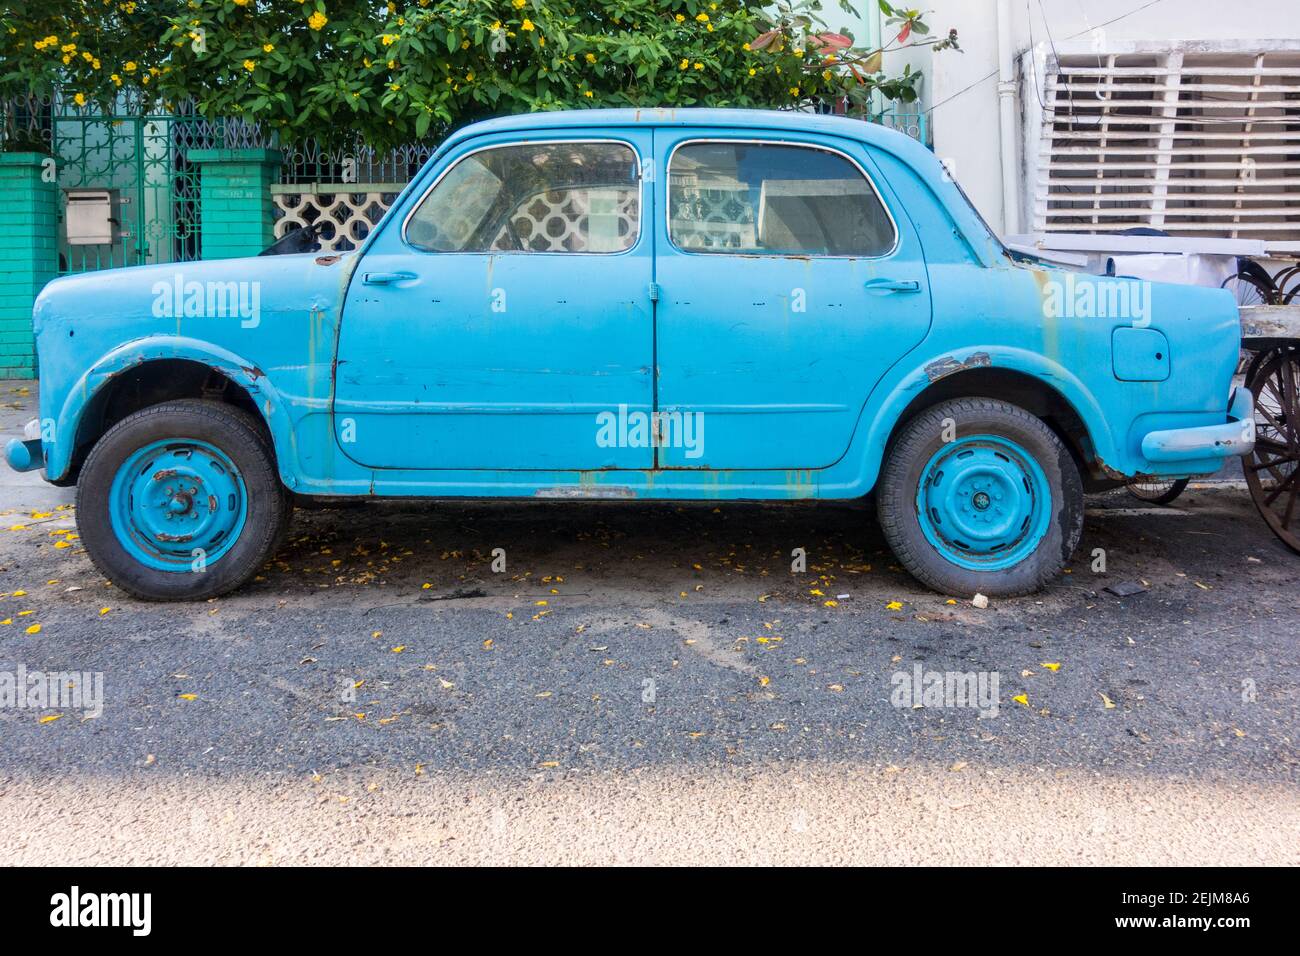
{"x": 534, "y": 197}
{"x": 773, "y": 199}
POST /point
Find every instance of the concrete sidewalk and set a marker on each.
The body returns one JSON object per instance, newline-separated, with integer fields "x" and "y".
{"x": 24, "y": 490}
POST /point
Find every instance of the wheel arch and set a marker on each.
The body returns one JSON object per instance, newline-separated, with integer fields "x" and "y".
{"x": 1021, "y": 378}
{"x": 147, "y": 373}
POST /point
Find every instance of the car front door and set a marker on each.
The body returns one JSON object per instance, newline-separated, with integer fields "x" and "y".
{"x": 504, "y": 314}
{"x": 788, "y": 286}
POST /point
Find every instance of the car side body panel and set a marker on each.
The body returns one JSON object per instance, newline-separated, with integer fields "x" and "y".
{"x": 989, "y": 313}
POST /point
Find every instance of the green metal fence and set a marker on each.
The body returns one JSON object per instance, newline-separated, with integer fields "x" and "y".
{"x": 132, "y": 163}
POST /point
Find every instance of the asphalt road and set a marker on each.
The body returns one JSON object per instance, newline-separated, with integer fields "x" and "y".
{"x": 381, "y": 694}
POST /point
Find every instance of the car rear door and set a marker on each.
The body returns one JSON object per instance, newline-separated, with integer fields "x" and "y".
{"x": 789, "y": 282}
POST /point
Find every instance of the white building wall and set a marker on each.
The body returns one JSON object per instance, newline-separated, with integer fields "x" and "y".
{"x": 961, "y": 89}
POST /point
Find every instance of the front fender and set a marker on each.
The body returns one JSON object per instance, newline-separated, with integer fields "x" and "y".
{"x": 67, "y": 420}
{"x": 891, "y": 398}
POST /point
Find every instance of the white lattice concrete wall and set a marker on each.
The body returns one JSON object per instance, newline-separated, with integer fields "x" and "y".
{"x": 344, "y": 218}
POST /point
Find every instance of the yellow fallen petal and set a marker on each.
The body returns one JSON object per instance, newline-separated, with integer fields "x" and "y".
{"x": 1052, "y": 666}
{"x": 894, "y": 606}
{"x": 34, "y": 629}
{"x": 1022, "y": 699}
{"x": 1106, "y": 702}
{"x": 19, "y": 593}
{"x": 62, "y": 544}
{"x": 188, "y": 696}
{"x": 105, "y": 610}
{"x": 399, "y": 648}
{"x": 764, "y": 681}
{"x": 51, "y": 718}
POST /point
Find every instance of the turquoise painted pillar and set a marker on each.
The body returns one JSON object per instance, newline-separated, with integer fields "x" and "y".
{"x": 29, "y": 253}
{"x": 235, "y": 211}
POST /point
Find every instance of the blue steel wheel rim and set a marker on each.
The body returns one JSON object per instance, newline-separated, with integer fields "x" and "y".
{"x": 175, "y": 501}
{"x": 983, "y": 503}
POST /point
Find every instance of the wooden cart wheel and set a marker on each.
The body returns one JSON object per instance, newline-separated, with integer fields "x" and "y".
{"x": 1271, "y": 469}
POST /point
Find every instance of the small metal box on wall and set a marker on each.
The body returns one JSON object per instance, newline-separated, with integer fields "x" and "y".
{"x": 91, "y": 217}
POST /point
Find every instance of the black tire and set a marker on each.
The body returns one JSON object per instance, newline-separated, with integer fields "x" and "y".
{"x": 237, "y": 435}
{"x": 1157, "y": 492}
{"x": 905, "y": 461}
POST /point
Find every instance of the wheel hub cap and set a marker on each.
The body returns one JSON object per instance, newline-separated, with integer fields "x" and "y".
{"x": 175, "y": 501}
{"x": 983, "y": 502}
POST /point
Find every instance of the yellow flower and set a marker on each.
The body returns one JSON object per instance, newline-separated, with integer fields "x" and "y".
{"x": 526, "y": 26}
{"x": 699, "y": 66}
{"x": 745, "y": 47}
{"x": 794, "y": 91}
{"x": 117, "y": 80}
{"x": 588, "y": 94}
{"x": 317, "y": 20}
{"x": 392, "y": 64}
{"x": 709, "y": 27}
{"x": 464, "y": 44}
{"x": 680, "y": 18}
{"x": 826, "y": 74}
{"x": 798, "y": 51}
{"x": 130, "y": 66}
{"x": 268, "y": 47}
{"x": 496, "y": 26}
{"x": 249, "y": 65}
{"x": 241, "y": 3}
{"x": 94, "y": 64}
{"x": 684, "y": 64}
{"x": 518, "y": 4}
{"x": 388, "y": 39}
{"x": 702, "y": 17}
{"x": 591, "y": 58}
{"x": 80, "y": 99}
{"x": 752, "y": 71}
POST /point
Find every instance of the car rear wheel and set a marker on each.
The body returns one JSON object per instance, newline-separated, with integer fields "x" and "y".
{"x": 980, "y": 496}
{"x": 181, "y": 501}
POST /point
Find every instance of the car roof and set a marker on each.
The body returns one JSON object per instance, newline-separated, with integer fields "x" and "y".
{"x": 689, "y": 117}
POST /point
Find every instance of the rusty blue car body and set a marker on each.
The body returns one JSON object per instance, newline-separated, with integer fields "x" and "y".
{"x": 428, "y": 363}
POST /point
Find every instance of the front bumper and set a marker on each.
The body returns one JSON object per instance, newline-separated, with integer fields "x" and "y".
{"x": 1235, "y": 437}
{"x": 26, "y": 455}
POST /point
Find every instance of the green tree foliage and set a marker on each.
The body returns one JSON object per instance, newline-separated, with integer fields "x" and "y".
{"x": 399, "y": 71}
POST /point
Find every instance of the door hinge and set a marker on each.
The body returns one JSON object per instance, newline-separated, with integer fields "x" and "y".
{"x": 654, "y": 291}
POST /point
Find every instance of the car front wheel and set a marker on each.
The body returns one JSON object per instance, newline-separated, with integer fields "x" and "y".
{"x": 181, "y": 501}
{"x": 979, "y": 496}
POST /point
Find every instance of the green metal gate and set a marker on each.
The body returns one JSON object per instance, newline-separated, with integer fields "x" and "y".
{"x": 128, "y": 194}
{"x": 133, "y": 167}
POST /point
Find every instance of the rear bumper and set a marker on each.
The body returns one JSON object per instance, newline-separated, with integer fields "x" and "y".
{"x": 1236, "y": 436}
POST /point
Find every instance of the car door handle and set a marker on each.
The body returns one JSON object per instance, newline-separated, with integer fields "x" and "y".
{"x": 384, "y": 278}
{"x": 893, "y": 285}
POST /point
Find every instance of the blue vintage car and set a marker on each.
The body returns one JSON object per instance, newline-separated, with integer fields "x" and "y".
{"x": 648, "y": 304}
